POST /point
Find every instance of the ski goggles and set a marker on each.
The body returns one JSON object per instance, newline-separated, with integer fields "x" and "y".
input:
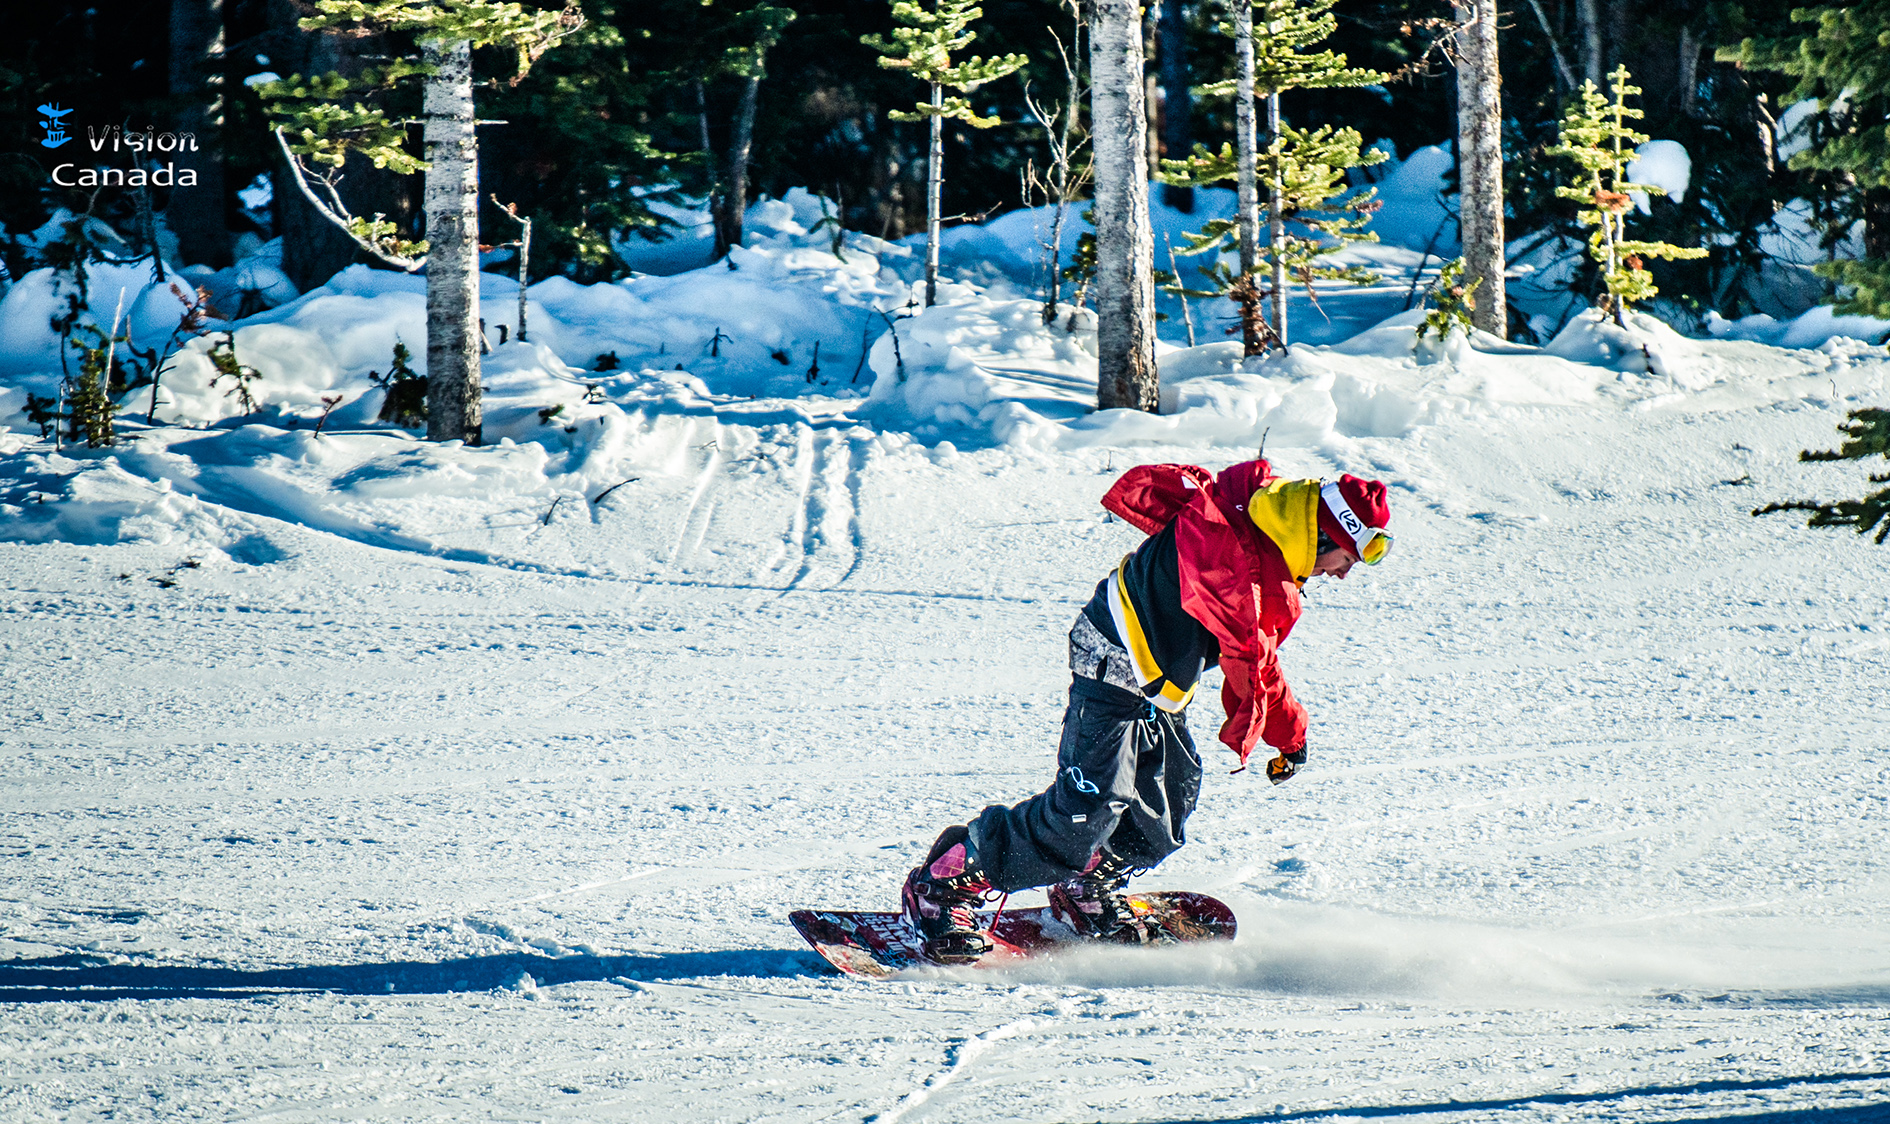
{"x": 1369, "y": 544}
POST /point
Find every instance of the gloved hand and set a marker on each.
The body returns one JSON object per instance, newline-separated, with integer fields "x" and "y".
{"x": 1283, "y": 767}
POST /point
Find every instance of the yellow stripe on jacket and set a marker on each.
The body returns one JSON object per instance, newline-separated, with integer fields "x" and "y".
{"x": 1129, "y": 628}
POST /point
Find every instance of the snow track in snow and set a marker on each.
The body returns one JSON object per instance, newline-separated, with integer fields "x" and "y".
{"x": 1592, "y": 827}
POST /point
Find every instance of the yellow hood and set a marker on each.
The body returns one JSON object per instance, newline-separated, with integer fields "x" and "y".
{"x": 1287, "y": 511}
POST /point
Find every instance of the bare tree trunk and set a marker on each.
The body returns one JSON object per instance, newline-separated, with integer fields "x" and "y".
{"x": 734, "y": 196}
{"x": 1588, "y": 18}
{"x": 1151, "y": 84}
{"x": 1062, "y": 178}
{"x": 934, "y": 194}
{"x": 1689, "y": 79}
{"x": 1246, "y": 176}
{"x": 197, "y": 213}
{"x": 1877, "y": 223}
{"x": 708, "y": 165}
{"x": 1126, "y": 376}
{"x": 1480, "y": 175}
{"x": 1276, "y": 219}
{"x": 454, "y": 411}
{"x": 1562, "y": 69}
{"x": 1177, "y": 102}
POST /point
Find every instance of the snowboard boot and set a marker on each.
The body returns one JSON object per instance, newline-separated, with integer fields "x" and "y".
{"x": 940, "y": 898}
{"x": 1095, "y": 903}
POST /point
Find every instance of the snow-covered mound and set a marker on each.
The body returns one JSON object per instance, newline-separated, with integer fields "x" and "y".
{"x": 1819, "y": 328}
{"x": 792, "y": 328}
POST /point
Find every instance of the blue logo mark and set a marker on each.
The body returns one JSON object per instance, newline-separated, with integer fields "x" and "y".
{"x": 55, "y": 128}
{"x": 1076, "y": 778}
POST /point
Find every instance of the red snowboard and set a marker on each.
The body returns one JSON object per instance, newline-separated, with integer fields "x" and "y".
{"x": 881, "y": 945}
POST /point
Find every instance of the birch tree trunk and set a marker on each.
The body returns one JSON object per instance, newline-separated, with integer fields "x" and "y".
{"x": 734, "y": 197}
{"x": 934, "y": 194}
{"x": 1126, "y": 377}
{"x": 454, "y": 411}
{"x": 1480, "y": 151}
{"x": 196, "y": 77}
{"x": 1177, "y": 102}
{"x": 1246, "y": 175}
{"x": 1276, "y": 220}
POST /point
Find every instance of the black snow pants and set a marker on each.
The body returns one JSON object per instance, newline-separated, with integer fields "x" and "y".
{"x": 1128, "y": 776}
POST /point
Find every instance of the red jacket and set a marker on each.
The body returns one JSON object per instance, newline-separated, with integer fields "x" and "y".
{"x": 1234, "y": 581}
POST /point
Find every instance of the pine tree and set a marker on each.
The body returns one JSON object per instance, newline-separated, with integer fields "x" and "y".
{"x": 89, "y": 404}
{"x": 406, "y": 401}
{"x": 1869, "y": 435}
{"x": 1845, "y": 65}
{"x": 576, "y": 153}
{"x": 1455, "y": 300}
{"x": 326, "y": 130}
{"x": 1272, "y": 40}
{"x": 227, "y": 366}
{"x": 1596, "y": 136}
{"x": 923, "y": 48}
{"x": 1311, "y": 190}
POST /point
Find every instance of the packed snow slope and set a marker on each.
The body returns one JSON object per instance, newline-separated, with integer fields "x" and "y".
{"x": 350, "y": 777}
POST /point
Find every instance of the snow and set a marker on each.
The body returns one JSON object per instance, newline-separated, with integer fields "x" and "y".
{"x": 1817, "y": 328}
{"x": 354, "y": 777}
{"x": 1663, "y": 164}
{"x": 1414, "y": 214}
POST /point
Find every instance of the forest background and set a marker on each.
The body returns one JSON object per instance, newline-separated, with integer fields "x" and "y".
{"x": 646, "y": 99}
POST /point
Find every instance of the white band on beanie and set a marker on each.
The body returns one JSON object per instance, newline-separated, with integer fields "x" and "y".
{"x": 1342, "y": 511}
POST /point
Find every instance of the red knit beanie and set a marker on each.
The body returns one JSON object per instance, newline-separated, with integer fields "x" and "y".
{"x": 1366, "y": 498}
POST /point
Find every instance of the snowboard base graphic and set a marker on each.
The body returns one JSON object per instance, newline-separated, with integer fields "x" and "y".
{"x": 881, "y": 945}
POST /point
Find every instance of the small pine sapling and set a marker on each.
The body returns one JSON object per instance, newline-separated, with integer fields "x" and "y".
{"x": 241, "y": 375}
{"x": 922, "y": 46}
{"x": 1596, "y": 136}
{"x": 1453, "y": 301}
{"x": 1867, "y": 435}
{"x": 89, "y": 405}
{"x": 830, "y": 221}
{"x": 1308, "y": 167}
{"x": 1082, "y": 268}
{"x": 406, "y": 402}
{"x": 1273, "y": 41}
{"x": 43, "y": 411}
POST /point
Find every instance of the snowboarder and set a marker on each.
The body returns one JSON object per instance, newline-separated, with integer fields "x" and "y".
{"x": 1216, "y": 582}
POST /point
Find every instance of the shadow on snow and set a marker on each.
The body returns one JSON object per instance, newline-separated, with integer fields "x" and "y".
{"x": 1848, "y": 1114}
{"x": 78, "y": 977}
